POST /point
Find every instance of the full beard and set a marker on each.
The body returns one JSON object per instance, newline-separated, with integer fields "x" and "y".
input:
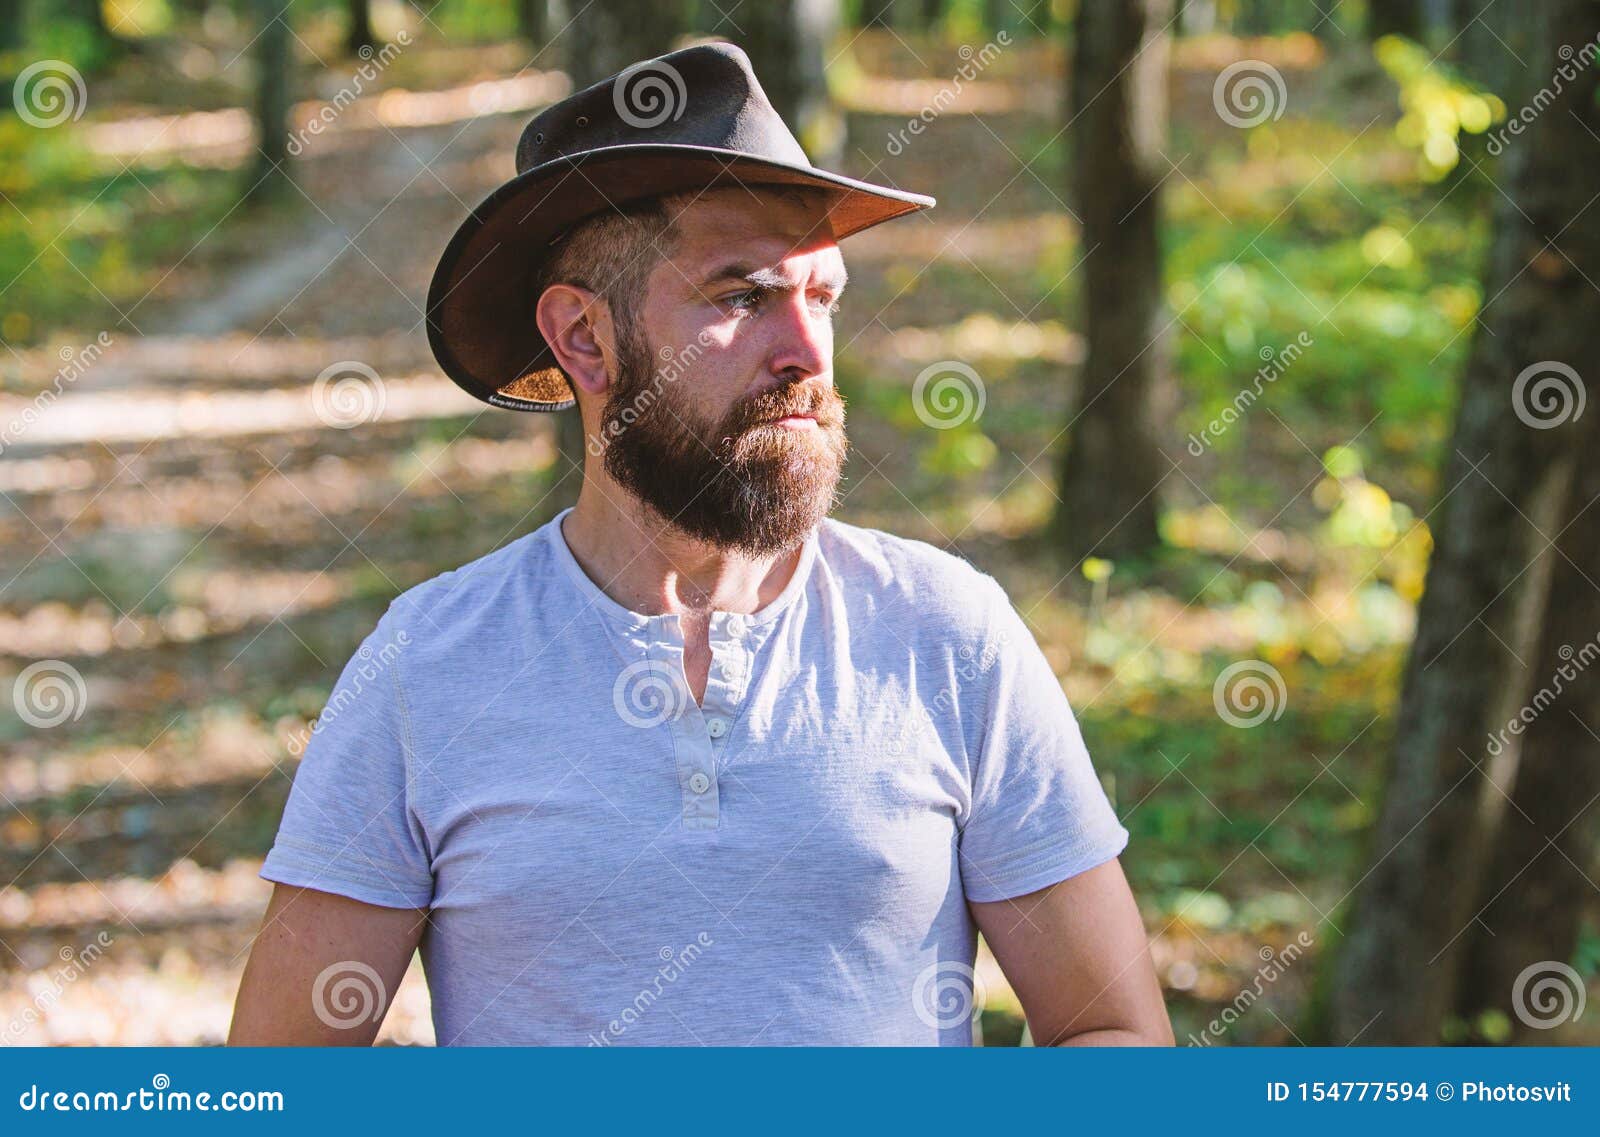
{"x": 741, "y": 483}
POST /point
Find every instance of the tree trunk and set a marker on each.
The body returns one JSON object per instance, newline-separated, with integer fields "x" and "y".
{"x": 533, "y": 21}
{"x": 1395, "y": 17}
{"x": 270, "y": 175}
{"x": 1033, "y": 16}
{"x": 11, "y": 13}
{"x": 1493, "y": 44}
{"x": 1253, "y": 18}
{"x": 877, "y": 13}
{"x": 1543, "y": 860}
{"x": 358, "y": 31}
{"x": 1399, "y": 967}
{"x": 607, "y": 35}
{"x": 1117, "y": 107}
{"x": 1196, "y": 17}
{"x": 788, "y": 41}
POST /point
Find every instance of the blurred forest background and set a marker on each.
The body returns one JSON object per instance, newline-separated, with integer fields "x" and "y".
{"x": 1239, "y": 322}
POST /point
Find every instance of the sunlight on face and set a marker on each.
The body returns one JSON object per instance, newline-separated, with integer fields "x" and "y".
{"x": 750, "y": 288}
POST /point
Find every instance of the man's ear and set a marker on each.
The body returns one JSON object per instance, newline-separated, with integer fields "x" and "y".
{"x": 576, "y": 323}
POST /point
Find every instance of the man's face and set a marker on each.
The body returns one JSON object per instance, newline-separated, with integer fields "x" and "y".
{"x": 723, "y": 416}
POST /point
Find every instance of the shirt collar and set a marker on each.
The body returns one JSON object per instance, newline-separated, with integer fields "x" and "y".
{"x": 721, "y": 622}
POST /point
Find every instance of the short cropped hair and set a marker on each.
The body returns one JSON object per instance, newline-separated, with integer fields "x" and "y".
{"x": 613, "y": 253}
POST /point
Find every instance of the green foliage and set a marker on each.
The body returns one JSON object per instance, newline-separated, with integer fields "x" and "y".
{"x": 70, "y": 41}
{"x": 1331, "y": 309}
{"x": 1439, "y": 105}
{"x": 84, "y": 239}
{"x": 475, "y": 19}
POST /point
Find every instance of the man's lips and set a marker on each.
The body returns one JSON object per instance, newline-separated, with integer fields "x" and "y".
{"x": 796, "y": 422}
{"x": 818, "y": 414}
{"x": 792, "y": 420}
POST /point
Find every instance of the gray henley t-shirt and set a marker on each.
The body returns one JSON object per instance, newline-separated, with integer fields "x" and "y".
{"x": 608, "y": 862}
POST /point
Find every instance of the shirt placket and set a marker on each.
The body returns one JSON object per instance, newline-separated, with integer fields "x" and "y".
{"x": 701, "y": 732}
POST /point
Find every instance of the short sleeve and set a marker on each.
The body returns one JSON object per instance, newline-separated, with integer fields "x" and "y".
{"x": 1038, "y": 814}
{"x": 348, "y": 826}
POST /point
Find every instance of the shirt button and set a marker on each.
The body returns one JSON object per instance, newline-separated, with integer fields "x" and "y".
{"x": 730, "y": 669}
{"x": 699, "y": 783}
{"x": 716, "y": 728}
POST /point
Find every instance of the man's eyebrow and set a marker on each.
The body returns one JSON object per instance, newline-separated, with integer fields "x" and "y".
{"x": 772, "y": 279}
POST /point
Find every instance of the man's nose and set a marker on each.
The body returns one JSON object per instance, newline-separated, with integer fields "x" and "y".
{"x": 802, "y": 339}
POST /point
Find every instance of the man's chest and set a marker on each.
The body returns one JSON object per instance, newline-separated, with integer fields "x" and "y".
{"x": 712, "y": 814}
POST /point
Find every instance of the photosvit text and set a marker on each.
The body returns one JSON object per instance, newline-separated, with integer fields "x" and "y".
{"x": 1360, "y": 1091}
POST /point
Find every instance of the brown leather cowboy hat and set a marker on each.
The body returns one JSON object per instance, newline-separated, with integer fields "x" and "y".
{"x": 686, "y": 121}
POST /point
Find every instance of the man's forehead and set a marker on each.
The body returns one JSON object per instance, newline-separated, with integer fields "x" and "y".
{"x": 758, "y": 228}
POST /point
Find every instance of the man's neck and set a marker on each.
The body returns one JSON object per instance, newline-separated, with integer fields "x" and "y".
{"x": 645, "y": 564}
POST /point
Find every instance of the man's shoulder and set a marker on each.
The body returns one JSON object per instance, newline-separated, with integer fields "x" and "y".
{"x": 940, "y": 585}
{"x": 484, "y": 585}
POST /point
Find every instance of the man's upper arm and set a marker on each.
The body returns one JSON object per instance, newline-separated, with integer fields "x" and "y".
{"x": 351, "y": 864}
{"x": 352, "y": 824}
{"x": 323, "y": 970}
{"x": 1076, "y": 955}
{"x": 1038, "y": 813}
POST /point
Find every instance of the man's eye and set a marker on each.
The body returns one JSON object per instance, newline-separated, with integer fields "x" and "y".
{"x": 746, "y": 301}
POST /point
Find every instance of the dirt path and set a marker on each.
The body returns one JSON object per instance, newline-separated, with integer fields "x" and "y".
{"x": 191, "y": 542}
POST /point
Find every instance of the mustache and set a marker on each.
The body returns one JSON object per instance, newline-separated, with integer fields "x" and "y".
{"x": 824, "y": 404}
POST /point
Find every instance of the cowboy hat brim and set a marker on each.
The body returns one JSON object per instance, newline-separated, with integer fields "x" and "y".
{"x": 480, "y": 311}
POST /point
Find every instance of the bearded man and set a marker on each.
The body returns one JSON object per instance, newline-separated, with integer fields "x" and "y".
{"x": 691, "y": 762}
